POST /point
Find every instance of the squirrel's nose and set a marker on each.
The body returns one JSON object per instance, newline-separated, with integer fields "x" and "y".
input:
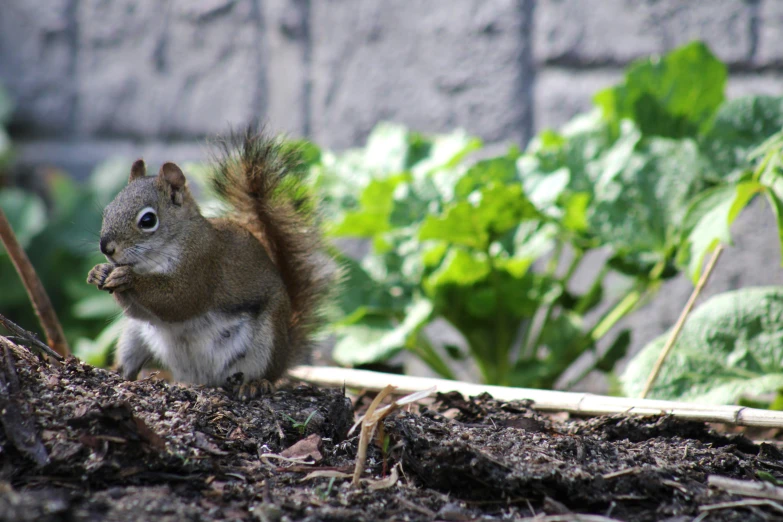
{"x": 107, "y": 247}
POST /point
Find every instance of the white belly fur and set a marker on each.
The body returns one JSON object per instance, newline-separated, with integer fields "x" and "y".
{"x": 204, "y": 349}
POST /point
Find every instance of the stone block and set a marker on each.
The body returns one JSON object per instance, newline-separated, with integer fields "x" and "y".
{"x": 770, "y": 30}
{"x": 79, "y": 158}
{"x": 768, "y": 83}
{"x": 168, "y": 70}
{"x": 434, "y": 66}
{"x": 287, "y": 72}
{"x": 617, "y": 31}
{"x": 37, "y": 60}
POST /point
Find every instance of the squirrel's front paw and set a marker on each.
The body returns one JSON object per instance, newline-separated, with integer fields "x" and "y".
{"x": 99, "y": 273}
{"x": 119, "y": 280}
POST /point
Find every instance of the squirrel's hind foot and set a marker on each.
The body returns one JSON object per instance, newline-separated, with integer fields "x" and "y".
{"x": 248, "y": 391}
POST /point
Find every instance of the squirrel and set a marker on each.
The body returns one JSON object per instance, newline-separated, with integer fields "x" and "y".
{"x": 212, "y": 298}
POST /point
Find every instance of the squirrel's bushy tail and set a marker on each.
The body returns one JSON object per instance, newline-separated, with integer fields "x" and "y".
{"x": 261, "y": 178}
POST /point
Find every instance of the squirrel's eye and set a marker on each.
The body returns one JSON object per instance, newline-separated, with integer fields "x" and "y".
{"x": 147, "y": 220}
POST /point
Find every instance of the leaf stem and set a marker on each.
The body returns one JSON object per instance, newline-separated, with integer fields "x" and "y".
{"x": 554, "y": 261}
{"x": 583, "y": 304}
{"x": 681, "y": 321}
{"x": 623, "y": 307}
{"x": 620, "y": 310}
{"x": 502, "y": 340}
{"x": 530, "y": 345}
{"x": 422, "y": 347}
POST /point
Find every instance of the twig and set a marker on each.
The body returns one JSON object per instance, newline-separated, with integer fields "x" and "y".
{"x": 35, "y": 290}
{"x": 681, "y": 321}
{"x": 420, "y": 509}
{"x": 35, "y": 343}
{"x": 622, "y": 472}
{"x": 545, "y": 400}
{"x": 742, "y": 503}
{"x": 570, "y": 517}
{"x": 746, "y": 488}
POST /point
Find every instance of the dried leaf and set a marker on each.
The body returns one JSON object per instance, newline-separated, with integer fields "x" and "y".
{"x": 325, "y": 473}
{"x": 386, "y": 482}
{"x": 309, "y": 447}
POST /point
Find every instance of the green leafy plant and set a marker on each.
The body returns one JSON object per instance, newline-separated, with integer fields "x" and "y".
{"x": 729, "y": 347}
{"x": 493, "y": 245}
{"x": 649, "y": 181}
{"x": 301, "y": 427}
{"x": 60, "y": 236}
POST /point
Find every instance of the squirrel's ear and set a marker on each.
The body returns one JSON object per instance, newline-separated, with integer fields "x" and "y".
{"x": 138, "y": 170}
{"x": 171, "y": 175}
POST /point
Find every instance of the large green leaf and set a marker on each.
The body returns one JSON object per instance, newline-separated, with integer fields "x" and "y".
{"x": 6, "y": 107}
{"x": 98, "y": 306}
{"x": 376, "y": 338}
{"x": 26, "y": 213}
{"x": 740, "y": 126}
{"x": 615, "y": 352}
{"x": 484, "y": 217}
{"x": 446, "y": 151}
{"x": 500, "y": 170}
{"x": 5, "y": 147}
{"x": 709, "y": 221}
{"x": 360, "y": 295}
{"x": 545, "y": 189}
{"x": 581, "y": 142}
{"x": 730, "y": 346}
{"x": 387, "y": 148}
{"x": 96, "y": 352}
{"x": 459, "y": 267}
{"x": 674, "y": 96}
{"x": 777, "y": 208}
{"x": 376, "y": 205}
{"x": 642, "y": 196}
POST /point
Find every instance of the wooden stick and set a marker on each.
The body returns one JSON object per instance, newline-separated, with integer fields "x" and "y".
{"x": 746, "y": 488}
{"x": 681, "y": 321}
{"x": 35, "y": 290}
{"x": 742, "y": 503}
{"x": 545, "y": 400}
{"x": 570, "y": 517}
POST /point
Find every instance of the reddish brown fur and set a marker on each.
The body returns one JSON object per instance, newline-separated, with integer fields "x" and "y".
{"x": 257, "y": 177}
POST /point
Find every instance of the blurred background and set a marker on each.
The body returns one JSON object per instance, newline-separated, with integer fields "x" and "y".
{"x": 91, "y": 80}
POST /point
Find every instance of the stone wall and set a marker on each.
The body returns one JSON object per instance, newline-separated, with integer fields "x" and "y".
{"x": 96, "y": 78}
{"x": 93, "y": 76}
{"x": 90, "y": 76}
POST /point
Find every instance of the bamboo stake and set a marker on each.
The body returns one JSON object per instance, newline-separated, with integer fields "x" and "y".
{"x": 681, "y": 321}
{"x": 35, "y": 290}
{"x": 746, "y": 488}
{"x": 545, "y": 400}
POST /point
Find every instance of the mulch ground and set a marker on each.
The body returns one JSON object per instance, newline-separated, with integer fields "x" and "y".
{"x": 78, "y": 443}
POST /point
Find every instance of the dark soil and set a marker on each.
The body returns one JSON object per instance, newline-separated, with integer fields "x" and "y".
{"x": 79, "y": 443}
